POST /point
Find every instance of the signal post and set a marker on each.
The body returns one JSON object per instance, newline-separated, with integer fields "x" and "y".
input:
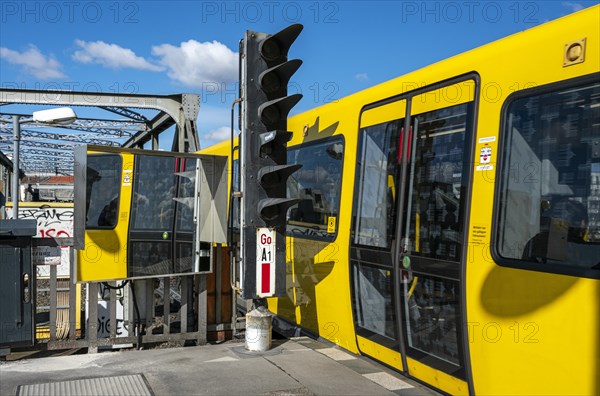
{"x": 265, "y": 72}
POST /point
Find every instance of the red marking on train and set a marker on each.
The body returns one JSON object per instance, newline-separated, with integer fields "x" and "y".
{"x": 400, "y": 145}
{"x": 410, "y": 138}
{"x": 409, "y": 143}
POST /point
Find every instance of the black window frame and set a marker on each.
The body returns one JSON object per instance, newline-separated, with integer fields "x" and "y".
{"x": 522, "y": 264}
{"x": 333, "y": 236}
{"x": 119, "y": 164}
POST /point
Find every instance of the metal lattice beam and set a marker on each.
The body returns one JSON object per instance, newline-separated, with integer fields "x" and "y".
{"x": 34, "y": 144}
{"x": 114, "y": 128}
{"x": 182, "y": 108}
{"x": 125, "y": 112}
{"x": 179, "y": 110}
{"x": 47, "y": 165}
{"x": 158, "y": 124}
{"x": 120, "y": 129}
{"x": 48, "y": 154}
{"x": 50, "y": 170}
{"x": 38, "y": 135}
{"x": 44, "y": 153}
{"x": 47, "y": 160}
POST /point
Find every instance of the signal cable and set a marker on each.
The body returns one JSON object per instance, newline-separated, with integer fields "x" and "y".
{"x": 108, "y": 286}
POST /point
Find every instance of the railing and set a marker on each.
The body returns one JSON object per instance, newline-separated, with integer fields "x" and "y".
{"x": 191, "y": 308}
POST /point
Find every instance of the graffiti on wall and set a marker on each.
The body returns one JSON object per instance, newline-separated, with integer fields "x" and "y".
{"x": 104, "y": 311}
{"x": 52, "y": 222}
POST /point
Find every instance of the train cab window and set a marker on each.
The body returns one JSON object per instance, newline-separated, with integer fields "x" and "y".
{"x": 317, "y": 185}
{"x": 155, "y": 183}
{"x": 378, "y": 164}
{"x": 102, "y": 191}
{"x": 549, "y": 202}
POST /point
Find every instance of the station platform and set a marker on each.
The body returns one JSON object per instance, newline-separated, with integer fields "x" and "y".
{"x": 297, "y": 366}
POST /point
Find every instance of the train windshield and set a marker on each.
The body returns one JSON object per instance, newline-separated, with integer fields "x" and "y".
{"x": 549, "y": 210}
{"x": 102, "y": 190}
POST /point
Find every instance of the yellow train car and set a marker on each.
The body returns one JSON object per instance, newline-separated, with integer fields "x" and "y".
{"x": 449, "y": 219}
{"x": 143, "y": 214}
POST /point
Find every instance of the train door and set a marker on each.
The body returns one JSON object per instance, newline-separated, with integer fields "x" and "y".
{"x": 374, "y": 295}
{"x": 433, "y": 240}
{"x": 408, "y": 243}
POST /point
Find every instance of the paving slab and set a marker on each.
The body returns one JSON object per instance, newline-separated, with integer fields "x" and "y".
{"x": 293, "y": 367}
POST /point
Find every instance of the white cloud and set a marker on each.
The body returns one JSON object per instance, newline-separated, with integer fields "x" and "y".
{"x": 34, "y": 62}
{"x": 195, "y": 63}
{"x": 573, "y": 6}
{"x": 361, "y": 76}
{"x": 218, "y": 135}
{"x": 111, "y": 55}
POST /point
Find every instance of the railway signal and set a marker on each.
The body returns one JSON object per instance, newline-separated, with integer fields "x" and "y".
{"x": 265, "y": 72}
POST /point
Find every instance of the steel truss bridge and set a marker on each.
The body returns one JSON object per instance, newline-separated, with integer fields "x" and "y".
{"x": 48, "y": 149}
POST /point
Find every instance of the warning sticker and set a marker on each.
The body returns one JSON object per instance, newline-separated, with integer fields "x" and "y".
{"x": 485, "y": 155}
{"x": 485, "y": 159}
{"x": 127, "y": 177}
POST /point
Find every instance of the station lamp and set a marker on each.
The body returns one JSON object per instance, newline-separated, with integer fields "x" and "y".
{"x": 60, "y": 115}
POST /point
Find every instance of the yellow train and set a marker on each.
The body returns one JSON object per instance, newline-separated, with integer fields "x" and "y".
{"x": 449, "y": 219}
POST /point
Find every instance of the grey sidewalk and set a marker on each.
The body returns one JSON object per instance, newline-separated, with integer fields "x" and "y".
{"x": 300, "y": 366}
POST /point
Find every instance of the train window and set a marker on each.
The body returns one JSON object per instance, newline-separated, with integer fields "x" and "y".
{"x": 102, "y": 191}
{"x": 549, "y": 201}
{"x": 317, "y": 185}
{"x": 154, "y": 189}
{"x": 377, "y": 167}
{"x": 437, "y": 210}
{"x": 374, "y": 301}
{"x": 150, "y": 258}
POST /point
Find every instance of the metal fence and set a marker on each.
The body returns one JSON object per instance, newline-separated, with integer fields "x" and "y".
{"x": 191, "y": 308}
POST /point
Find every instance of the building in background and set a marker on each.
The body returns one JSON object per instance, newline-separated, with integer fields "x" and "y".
{"x": 48, "y": 188}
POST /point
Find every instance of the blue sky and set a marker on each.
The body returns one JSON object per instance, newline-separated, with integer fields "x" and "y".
{"x": 160, "y": 47}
